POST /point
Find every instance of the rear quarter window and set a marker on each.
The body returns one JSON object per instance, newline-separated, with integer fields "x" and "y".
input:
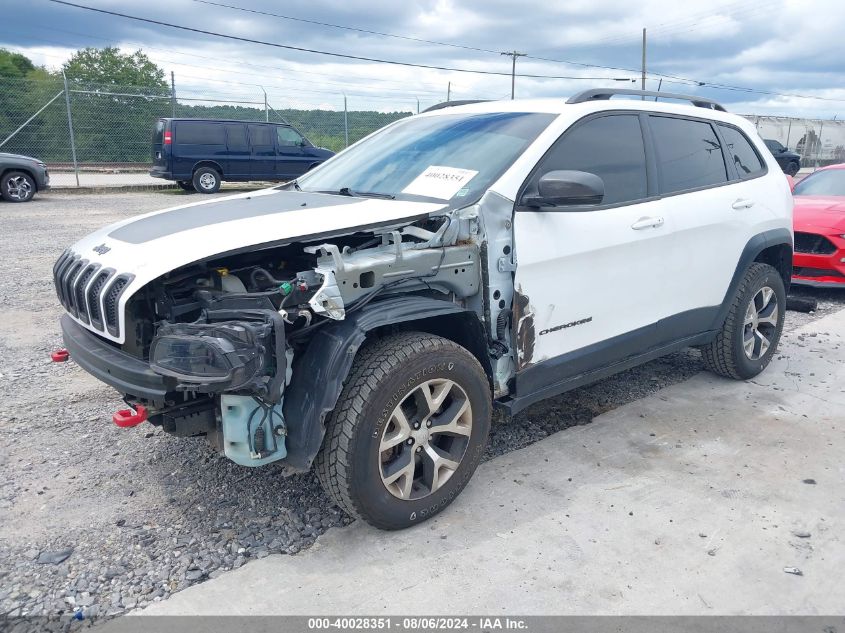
{"x": 689, "y": 154}
{"x": 199, "y": 133}
{"x": 741, "y": 152}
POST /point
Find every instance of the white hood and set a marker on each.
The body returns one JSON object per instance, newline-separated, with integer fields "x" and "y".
{"x": 153, "y": 244}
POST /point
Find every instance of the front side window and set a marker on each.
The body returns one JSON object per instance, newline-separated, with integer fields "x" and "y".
{"x": 445, "y": 157}
{"x": 689, "y": 154}
{"x": 288, "y": 137}
{"x": 739, "y": 150}
{"x": 611, "y": 147}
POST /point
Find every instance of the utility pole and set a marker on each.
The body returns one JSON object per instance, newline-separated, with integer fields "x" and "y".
{"x": 643, "y": 77}
{"x": 418, "y": 105}
{"x": 172, "y": 95}
{"x": 449, "y": 92}
{"x": 513, "y": 55}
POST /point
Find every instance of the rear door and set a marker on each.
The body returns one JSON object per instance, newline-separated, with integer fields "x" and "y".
{"x": 238, "y": 153}
{"x": 706, "y": 202}
{"x": 160, "y": 151}
{"x": 262, "y": 152}
{"x": 591, "y": 279}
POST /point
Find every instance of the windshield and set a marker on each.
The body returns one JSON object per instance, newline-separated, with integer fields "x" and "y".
{"x": 452, "y": 157}
{"x": 830, "y": 182}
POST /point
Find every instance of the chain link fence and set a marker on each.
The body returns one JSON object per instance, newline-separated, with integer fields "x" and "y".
{"x": 100, "y": 134}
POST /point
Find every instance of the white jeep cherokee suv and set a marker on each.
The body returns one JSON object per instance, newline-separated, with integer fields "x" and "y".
{"x": 366, "y": 318}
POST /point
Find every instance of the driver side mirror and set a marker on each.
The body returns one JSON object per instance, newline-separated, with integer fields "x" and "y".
{"x": 562, "y": 188}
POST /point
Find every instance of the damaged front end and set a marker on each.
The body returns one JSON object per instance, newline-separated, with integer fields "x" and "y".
{"x": 225, "y": 336}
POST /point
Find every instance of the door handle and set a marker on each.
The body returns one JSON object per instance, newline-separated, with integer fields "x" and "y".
{"x": 647, "y": 223}
{"x": 742, "y": 203}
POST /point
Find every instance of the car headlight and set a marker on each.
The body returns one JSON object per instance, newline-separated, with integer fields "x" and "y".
{"x": 211, "y": 358}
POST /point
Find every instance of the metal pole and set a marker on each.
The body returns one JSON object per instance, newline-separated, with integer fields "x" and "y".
{"x": 70, "y": 129}
{"x": 266, "y": 110}
{"x": 418, "y": 105}
{"x": 448, "y": 92}
{"x": 29, "y": 120}
{"x": 788, "y": 132}
{"x": 345, "y": 124}
{"x": 172, "y": 95}
{"x": 818, "y": 151}
{"x": 643, "y": 75}
{"x": 659, "y": 84}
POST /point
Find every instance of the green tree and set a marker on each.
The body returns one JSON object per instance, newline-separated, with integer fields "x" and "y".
{"x": 115, "y": 99}
{"x": 110, "y": 67}
{"x": 14, "y": 64}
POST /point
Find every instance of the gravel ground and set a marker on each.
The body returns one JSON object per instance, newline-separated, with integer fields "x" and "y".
{"x": 101, "y": 520}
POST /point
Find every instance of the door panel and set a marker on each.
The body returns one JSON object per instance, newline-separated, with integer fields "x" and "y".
{"x": 263, "y": 152}
{"x": 584, "y": 274}
{"x": 238, "y": 155}
{"x": 291, "y": 159}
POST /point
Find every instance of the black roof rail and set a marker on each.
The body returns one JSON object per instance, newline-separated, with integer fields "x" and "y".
{"x": 599, "y": 94}
{"x": 449, "y": 104}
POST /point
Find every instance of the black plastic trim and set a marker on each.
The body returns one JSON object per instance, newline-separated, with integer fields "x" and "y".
{"x": 129, "y": 375}
{"x": 320, "y": 371}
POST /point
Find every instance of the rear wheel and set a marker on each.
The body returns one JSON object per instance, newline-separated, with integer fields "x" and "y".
{"x": 408, "y": 431}
{"x": 17, "y": 186}
{"x": 206, "y": 180}
{"x": 186, "y": 185}
{"x": 792, "y": 168}
{"x": 752, "y": 329}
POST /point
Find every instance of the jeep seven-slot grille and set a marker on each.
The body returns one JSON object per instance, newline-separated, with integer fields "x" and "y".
{"x": 90, "y": 293}
{"x": 813, "y": 244}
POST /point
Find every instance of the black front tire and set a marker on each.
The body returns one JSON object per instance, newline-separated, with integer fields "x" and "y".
{"x": 728, "y": 354}
{"x": 206, "y": 180}
{"x": 186, "y": 185}
{"x": 792, "y": 168}
{"x": 351, "y": 464}
{"x": 17, "y": 186}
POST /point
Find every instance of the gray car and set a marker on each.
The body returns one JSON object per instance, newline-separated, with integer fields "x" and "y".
{"x": 21, "y": 177}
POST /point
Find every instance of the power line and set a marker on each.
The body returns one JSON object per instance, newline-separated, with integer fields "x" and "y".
{"x": 315, "y": 51}
{"x": 348, "y": 28}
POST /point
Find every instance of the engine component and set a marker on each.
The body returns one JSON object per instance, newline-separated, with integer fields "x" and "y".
{"x": 254, "y": 433}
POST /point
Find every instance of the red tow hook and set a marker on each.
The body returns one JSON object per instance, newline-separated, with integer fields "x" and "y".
{"x": 61, "y": 355}
{"x": 126, "y": 418}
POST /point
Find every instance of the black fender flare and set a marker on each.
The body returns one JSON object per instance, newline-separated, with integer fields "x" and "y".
{"x": 319, "y": 372}
{"x": 752, "y": 250}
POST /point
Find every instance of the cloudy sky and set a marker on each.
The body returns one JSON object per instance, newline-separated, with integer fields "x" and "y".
{"x": 791, "y": 49}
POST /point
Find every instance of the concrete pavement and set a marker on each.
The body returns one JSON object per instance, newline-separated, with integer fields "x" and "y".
{"x": 691, "y": 501}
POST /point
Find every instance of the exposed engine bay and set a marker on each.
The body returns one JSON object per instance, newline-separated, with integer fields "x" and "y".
{"x": 226, "y": 333}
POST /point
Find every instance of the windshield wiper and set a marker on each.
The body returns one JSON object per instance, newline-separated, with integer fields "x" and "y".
{"x": 346, "y": 191}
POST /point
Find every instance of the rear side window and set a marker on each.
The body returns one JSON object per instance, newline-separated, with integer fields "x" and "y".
{"x": 689, "y": 154}
{"x": 158, "y": 131}
{"x": 260, "y": 135}
{"x": 199, "y": 133}
{"x": 236, "y": 135}
{"x": 739, "y": 150}
{"x": 610, "y": 147}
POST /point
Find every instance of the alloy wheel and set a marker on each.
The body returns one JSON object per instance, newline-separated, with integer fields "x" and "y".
{"x": 208, "y": 181}
{"x": 19, "y": 188}
{"x": 425, "y": 439}
{"x": 761, "y": 322}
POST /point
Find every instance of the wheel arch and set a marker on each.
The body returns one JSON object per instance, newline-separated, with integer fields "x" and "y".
{"x": 23, "y": 170}
{"x": 773, "y": 247}
{"x": 207, "y": 163}
{"x": 328, "y": 359}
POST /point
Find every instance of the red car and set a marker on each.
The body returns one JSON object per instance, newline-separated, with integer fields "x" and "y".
{"x": 819, "y": 258}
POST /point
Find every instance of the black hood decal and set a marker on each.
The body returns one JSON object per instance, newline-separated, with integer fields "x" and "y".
{"x": 163, "y": 224}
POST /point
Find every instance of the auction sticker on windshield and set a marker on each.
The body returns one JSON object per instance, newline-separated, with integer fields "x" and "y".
{"x": 440, "y": 182}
